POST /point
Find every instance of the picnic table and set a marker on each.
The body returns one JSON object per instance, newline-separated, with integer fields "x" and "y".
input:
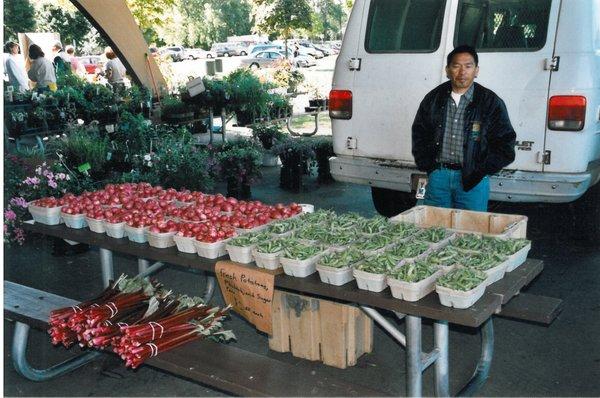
{"x": 502, "y": 298}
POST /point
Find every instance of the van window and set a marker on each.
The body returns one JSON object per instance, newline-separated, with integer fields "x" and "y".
{"x": 503, "y": 25}
{"x": 404, "y": 26}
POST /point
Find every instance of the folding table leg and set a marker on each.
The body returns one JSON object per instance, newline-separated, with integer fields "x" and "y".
{"x": 210, "y": 287}
{"x": 414, "y": 371}
{"x": 106, "y": 260}
{"x": 22, "y": 366}
{"x": 440, "y": 336}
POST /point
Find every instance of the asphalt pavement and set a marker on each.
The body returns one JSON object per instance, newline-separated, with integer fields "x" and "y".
{"x": 529, "y": 360}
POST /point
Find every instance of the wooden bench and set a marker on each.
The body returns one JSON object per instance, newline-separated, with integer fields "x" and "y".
{"x": 223, "y": 367}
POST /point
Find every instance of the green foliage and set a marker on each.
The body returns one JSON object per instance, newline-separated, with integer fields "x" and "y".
{"x": 83, "y": 145}
{"x": 284, "y": 76}
{"x": 293, "y": 151}
{"x": 71, "y": 25}
{"x": 282, "y": 17}
{"x": 240, "y": 161}
{"x": 150, "y": 14}
{"x": 217, "y": 94}
{"x": 268, "y": 134}
{"x": 19, "y": 17}
{"x": 249, "y": 94}
{"x": 172, "y": 105}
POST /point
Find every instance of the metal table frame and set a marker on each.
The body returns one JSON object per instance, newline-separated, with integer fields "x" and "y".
{"x": 417, "y": 361}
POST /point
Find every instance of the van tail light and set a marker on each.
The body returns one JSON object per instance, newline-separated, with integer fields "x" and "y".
{"x": 340, "y": 104}
{"x": 566, "y": 112}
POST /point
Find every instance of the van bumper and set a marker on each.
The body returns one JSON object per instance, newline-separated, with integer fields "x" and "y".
{"x": 506, "y": 186}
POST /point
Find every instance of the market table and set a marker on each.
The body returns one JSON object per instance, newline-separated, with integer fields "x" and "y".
{"x": 496, "y": 296}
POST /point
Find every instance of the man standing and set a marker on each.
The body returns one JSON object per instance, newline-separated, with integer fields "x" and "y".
{"x": 461, "y": 135}
{"x": 61, "y": 61}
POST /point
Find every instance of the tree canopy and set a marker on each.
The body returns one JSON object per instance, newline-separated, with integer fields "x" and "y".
{"x": 18, "y": 17}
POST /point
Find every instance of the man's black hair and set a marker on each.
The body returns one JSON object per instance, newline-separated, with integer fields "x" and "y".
{"x": 463, "y": 48}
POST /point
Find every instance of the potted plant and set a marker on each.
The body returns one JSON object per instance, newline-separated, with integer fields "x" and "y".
{"x": 323, "y": 147}
{"x": 268, "y": 135}
{"x": 250, "y": 97}
{"x": 240, "y": 166}
{"x": 294, "y": 154}
{"x": 173, "y": 110}
{"x": 316, "y": 98}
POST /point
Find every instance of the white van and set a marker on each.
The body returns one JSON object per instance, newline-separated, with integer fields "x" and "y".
{"x": 542, "y": 57}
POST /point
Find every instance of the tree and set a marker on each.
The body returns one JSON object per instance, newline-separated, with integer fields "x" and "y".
{"x": 72, "y": 25}
{"x": 18, "y": 18}
{"x": 282, "y": 17}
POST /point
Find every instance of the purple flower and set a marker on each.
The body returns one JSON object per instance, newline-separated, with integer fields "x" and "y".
{"x": 31, "y": 181}
{"x": 52, "y": 184}
{"x": 19, "y": 202}
{"x": 20, "y": 235}
{"x": 9, "y": 215}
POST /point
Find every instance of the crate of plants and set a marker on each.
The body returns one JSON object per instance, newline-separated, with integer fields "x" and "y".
{"x": 300, "y": 260}
{"x": 114, "y": 222}
{"x": 186, "y": 235}
{"x": 516, "y": 250}
{"x": 461, "y": 287}
{"x": 240, "y": 247}
{"x": 161, "y": 233}
{"x": 267, "y": 254}
{"x": 436, "y": 236}
{"x": 446, "y": 258}
{"x": 47, "y": 210}
{"x": 335, "y": 268}
{"x": 370, "y": 273}
{"x": 413, "y": 280}
{"x": 409, "y": 250}
{"x": 493, "y": 264}
{"x": 211, "y": 242}
{"x": 339, "y": 239}
{"x": 73, "y": 214}
{"x": 373, "y": 226}
{"x": 373, "y": 245}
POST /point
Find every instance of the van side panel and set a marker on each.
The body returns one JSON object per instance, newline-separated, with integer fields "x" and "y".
{"x": 343, "y": 77}
{"x": 578, "y": 46}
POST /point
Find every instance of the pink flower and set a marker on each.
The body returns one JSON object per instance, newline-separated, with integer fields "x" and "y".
{"x": 52, "y": 184}
{"x": 9, "y": 215}
{"x": 19, "y": 202}
{"x": 19, "y": 235}
{"x": 31, "y": 181}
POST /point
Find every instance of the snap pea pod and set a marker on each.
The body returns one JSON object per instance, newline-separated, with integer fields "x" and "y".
{"x": 409, "y": 249}
{"x": 469, "y": 242}
{"x": 281, "y": 227}
{"x": 413, "y": 272}
{"x": 482, "y": 261}
{"x": 447, "y": 256}
{"x": 318, "y": 216}
{"x": 374, "y": 265}
{"x": 275, "y": 245}
{"x": 400, "y": 230}
{"x": 463, "y": 279}
{"x": 374, "y": 225}
{"x": 301, "y": 252}
{"x": 250, "y": 239}
{"x": 340, "y": 237}
{"x": 347, "y": 221}
{"x": 505, "y": 246}
{"x": 312, "y": 232}
{"x": 373, "y": 243}
{"x": 341, "y": 259}
{"x": 433, "y": 234}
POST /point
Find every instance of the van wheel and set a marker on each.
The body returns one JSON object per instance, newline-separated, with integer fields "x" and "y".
{"x": 586, "y": 214}
{"x": 389, "y": 203}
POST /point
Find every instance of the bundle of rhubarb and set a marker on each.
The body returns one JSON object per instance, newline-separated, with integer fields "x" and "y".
{"x": 137, "y": 319}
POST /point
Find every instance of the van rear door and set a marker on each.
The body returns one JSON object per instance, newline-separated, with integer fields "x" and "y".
{"x": 400, "y": 61}
{"x": 515, "y": 42}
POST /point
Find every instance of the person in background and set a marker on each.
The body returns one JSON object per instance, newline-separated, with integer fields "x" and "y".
{"x": 41, "y": 70}
{"x": 76, "y": 65}
{"x": 114, "y": 70}
{"x": 61, "y": 60}
{"x": 461, "y": 135}
{"x": 15, "y": 68}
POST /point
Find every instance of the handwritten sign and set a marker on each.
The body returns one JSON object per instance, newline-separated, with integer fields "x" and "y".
{"x": 249, "y": 290}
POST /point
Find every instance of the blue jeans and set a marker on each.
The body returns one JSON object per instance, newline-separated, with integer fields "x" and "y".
{"x": 444, "y": 189}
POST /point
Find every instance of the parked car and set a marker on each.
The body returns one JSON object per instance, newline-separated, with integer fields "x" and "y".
{"x": 269, "y": 59}
{"x": 196, "y": 53}
{"x": 325, "y": 49}
{"x": 553, "y": 105}
{"x": 92, "y": 63}
{"x": 177, "y": 53}
{"x": 225, "y": 49}
{"x": 310, "y": 49}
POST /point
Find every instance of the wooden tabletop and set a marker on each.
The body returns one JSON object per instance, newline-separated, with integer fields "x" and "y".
{"x": 495, "y": 296}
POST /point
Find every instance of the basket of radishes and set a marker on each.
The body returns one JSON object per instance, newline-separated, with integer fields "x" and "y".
{"x": 160, "y": 235}
{"x": 211, "y": 241}
{"x": 47, "y": 210}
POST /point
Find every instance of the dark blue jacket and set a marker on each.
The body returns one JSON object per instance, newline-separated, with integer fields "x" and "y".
{"x": 489, "y": 138}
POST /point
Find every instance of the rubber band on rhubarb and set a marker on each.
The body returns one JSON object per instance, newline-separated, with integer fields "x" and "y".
{"x": 113, "y": 308}
{"x": 154, "y": 349}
